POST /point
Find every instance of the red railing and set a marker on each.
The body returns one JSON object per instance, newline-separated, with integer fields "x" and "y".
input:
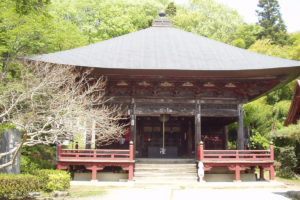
{"x": 95, "y": 154}
{"x": 235, "y": 155}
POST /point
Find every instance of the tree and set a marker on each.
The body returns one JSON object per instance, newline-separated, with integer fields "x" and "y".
{"x": 48, "y": 103}
{"x": 26, "y": 6}
{"x": 208, "y": 18}
{"x": 270, "y": 19}
{"x": 246, "y": 35}
{"x": 171, "y": 9}
{"x": 101, "y": 20}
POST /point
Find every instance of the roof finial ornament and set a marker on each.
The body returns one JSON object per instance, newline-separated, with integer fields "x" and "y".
{"x": 162, "y": 13}
{"x": 162, "y": 20}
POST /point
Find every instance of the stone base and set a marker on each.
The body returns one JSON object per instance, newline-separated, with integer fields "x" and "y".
{"x": 228, "y": 177}
{"x": 101, "y": 176}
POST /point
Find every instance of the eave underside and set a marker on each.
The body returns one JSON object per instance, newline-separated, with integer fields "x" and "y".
{"x": 294, "y": 112}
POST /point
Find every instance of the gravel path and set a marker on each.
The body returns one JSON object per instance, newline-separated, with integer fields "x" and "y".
{"x": 170, "y": 193}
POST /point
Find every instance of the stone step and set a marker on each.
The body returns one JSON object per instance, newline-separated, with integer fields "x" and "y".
{"x": 165, "y": 161}
{"x": 165, "y": 170}
{"x": 166, "y": 179}
{"x": 177, "y": 166}
{"x": 180, "y": 174}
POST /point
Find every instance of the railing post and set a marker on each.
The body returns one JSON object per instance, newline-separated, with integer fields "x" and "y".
{"x": 201, "y": 151}
{"x": 131, "y": 150}
{"x": 271, "y": 151}
{"x": 58, "y": 151}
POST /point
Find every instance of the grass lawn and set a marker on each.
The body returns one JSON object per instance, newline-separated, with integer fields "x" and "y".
{"x": 290, "y": 181}
{"x": 84, "y": 191}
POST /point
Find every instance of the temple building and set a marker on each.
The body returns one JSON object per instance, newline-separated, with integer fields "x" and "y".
{"x": 180, "y": 88}
{"x": 294, "y": 112}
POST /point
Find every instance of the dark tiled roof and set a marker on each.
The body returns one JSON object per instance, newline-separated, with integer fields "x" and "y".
{"x": 165, "y": 48}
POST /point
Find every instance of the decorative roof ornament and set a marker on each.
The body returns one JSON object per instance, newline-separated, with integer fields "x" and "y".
{"x": 162, "y": 13}
{"x": 144, "y": 83}
{"x": 187, "y": 84}
{"x": 209, "y": 84}
{"x": 230, "y": 85}
{"x": 162, "y": 20}
{"x": 166, "y": 84}
{"x": 122, "y": 83}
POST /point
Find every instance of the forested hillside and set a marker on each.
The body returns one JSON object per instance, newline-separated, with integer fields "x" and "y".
{"x": 30, "y": 27}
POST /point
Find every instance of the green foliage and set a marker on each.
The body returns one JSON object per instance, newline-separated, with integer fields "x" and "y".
{"x": 26, "y": 6}
{"x": 51, "y": 180}
{"x": 284, "y": 93}
{"x": 292, "y": 131}
{"x": 208, "y": 18}
{"x": 266, "y": 46}
{"x": 37, "y": 157}
{"x": 288, "y": 161}
{"x": 248, "y": 33}
{"x": 59, "y": 181}
{"x": 239, "y": 43}
{"x": 101, "y": 20}
{"x": 259, "y": 141}
{"x": 269, "y": 18}
{"x": 17, "y": 186}
{"x": 34, "y": 33}
{"x": 171, "y": 9}
{"x": 295, "y": 50}
{"x": 258, "y": 115}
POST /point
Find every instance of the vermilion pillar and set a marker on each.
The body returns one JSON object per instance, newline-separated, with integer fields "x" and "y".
{"x": 237, "y": 173}
{"x": 261, "y": 173}
{"x": 94, "y": 173}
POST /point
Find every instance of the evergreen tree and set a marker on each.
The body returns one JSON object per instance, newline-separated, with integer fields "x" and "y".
{"x": 269, "y": 17}
{"x": 171, "y": 9}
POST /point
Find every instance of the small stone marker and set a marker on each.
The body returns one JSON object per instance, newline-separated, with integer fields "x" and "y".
{"x": 9, "y": 140}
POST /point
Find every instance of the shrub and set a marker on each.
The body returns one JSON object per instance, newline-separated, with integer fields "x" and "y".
{"x": 51, "y": 180}
{"x": 17, "y": 186}
{"x": 288, "y": 161}
{"x": 37, "y": 157}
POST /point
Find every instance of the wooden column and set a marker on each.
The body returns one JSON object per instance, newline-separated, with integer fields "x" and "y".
{"x": 261, "y": 173}
{"x": 197, "y": 124}
{"x": 240, "y": 135}
{"x": 133, "y": 122}
{"x": 225, "y": 137}
{"x": 272, "y": 170}
{"x": 272, "y": 173}
{"x": 237, "y": 174}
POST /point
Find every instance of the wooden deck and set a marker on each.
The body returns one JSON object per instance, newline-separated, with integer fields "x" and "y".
{"x": 97, "y": 159}
{"x": 238, "y": 160}
{"x": 235, "y": 160}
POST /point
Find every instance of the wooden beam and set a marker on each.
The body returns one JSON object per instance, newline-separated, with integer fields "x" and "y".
{"x": 219, "y": 113}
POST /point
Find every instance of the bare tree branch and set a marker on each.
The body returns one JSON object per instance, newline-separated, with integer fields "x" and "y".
{"x": 50, "y": 100}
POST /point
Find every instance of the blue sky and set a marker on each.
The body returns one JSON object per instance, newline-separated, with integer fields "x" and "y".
{"x": 290, "y": 11}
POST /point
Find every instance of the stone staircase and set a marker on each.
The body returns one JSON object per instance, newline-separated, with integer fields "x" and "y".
{"x": 165, "y": 171}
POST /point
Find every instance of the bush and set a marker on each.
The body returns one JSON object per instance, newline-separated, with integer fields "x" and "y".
{"x": 288, "y": 161}
{"x": 51, "y": 180}
{"x": 37, "y": 157}
{"x": 17, "y": 186}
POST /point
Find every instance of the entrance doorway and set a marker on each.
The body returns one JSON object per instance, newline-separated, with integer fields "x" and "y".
{"x": 165, "y": 136}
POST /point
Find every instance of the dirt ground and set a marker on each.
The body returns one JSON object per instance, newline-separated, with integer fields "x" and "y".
{"x": 232, "y": 191}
